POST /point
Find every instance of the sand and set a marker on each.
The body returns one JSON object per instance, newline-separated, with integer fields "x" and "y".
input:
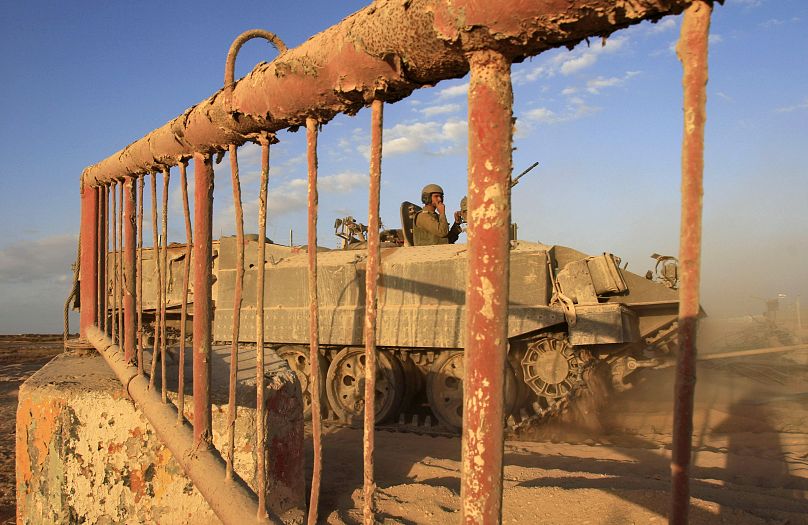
{"x": 750, "y": 454}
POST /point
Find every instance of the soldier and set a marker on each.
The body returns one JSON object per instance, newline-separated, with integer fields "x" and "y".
{"x": 430, "y": 225}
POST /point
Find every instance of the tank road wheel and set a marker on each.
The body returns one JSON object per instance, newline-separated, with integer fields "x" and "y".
{"x": 298, "y": 359}
{"x": 551, "y": 367}
{"x": 345, "y": 385}
{"x": 444, "y": 389}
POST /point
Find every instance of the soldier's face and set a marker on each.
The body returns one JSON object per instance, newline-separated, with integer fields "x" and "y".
{"x": 437, "y": 198}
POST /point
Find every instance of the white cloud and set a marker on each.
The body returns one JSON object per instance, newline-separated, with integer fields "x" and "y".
{"x": 433, "y": 137}
{"x": 455, "y": 130}
{"x": 583, "y": 57}
{"x": 358, "y": 140}
{"x": 663, "y": 26}
{"x": 422, "y": 136}
{"x": 249, "y": 154}
{"x": 772, "y": 23}
{"x": 430, "y": 111}
{"x": 522, "y": 76}
{"x": 569, "y": 91}
{"x": 289, "y": 197}
{"x": 542, "y": 115}
{"x": 747, "y": 3}
{"x": 595, "y": 85}
{"x": 454, "y": 91}
{"x": 292, "y": 195}
{"x": 578, "y": 63}
{"x": 344, "y": 182}
{"x": 47, "y": 259}
{"x": 791, "y": 109}
{"x": 576, "y": 108}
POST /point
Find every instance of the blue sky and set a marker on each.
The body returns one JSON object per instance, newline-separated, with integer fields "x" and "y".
{"x": 83, "y": 79}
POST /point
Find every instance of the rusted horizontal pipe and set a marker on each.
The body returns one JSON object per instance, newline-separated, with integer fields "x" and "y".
{"x": 385, "y": 51}
{"x": 231, "y": 500}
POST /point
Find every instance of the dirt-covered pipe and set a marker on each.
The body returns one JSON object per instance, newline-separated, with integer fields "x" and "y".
{"x": 231, "y": 500}
{"x": 384, "y": 51}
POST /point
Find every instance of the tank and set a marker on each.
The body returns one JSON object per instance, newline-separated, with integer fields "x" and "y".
{"x": 572, "y": 317}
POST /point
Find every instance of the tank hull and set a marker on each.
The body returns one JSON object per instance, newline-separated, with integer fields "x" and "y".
{"x": 568, "y": 312}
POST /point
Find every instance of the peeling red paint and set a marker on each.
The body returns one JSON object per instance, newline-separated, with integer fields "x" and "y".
{"x": 692, "y": 51}
{"x": 490, "y": 136}
{"x": 137, "y": 484}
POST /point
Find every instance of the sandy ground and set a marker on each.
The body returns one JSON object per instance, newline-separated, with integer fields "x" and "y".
{"x": 750, "y": 444}
{"x": 750, "y": 454}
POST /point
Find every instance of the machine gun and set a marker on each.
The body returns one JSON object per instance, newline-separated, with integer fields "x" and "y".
{"x": 354, "y": 234}
{"x": 350, "y": 231}
{"x": 515, "y": 180}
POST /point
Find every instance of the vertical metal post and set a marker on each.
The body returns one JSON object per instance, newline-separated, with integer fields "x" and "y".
{"x": 129, "y": 291}
{"x": 101, "y": 257}
{"x": 114, "y": 314}
{"x": 119, "y": 269}
{"x": 105, "y": 265}
{"x": 490, "y": 103}
{"x": 203, "y": 279}
{"x": 237, "y": 293}
{"x": 164, "y": 289}
{"x": 314, "y": 323}
{"x": 158, "y": 294}
{"x": 89, "y": 259}
{"x": 260, "y": 429}
{"x": 371, "y": 281}
{"x": 185, "y": 285}
{"x": 692, "y": 51}
{"x": 140, "y": 181}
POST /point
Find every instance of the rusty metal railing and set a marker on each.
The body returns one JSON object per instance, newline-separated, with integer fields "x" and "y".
{"x": 425, "y": 41}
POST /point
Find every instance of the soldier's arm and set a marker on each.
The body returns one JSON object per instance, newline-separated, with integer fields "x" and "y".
{"x": 428, "y": 222}
{"x": 454, "y": 233}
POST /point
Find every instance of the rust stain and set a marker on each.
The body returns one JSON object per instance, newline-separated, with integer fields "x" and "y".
{"x": 162, "y": 480}
{"x": 23, "y": 458}
{"x": 137, "y": 484}
{"x": 46, "y": 416}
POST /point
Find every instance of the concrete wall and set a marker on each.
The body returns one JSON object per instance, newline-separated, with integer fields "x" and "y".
{"x": 85, "y": 455}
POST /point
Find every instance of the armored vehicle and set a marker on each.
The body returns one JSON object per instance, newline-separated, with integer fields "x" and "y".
{"x": 569, "y": 313}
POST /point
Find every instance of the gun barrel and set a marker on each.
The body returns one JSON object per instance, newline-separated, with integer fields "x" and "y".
{"x": 515, "y": 180}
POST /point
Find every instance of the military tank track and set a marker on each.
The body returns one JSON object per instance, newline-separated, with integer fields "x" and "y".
{"x": 421, "y": 391}
{"x": 515, "y": 424}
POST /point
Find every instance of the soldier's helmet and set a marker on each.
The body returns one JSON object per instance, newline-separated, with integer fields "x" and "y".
{"x": 429, "y": 189}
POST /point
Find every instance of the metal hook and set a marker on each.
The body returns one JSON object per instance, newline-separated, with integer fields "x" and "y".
{"x": 230, "y": 64}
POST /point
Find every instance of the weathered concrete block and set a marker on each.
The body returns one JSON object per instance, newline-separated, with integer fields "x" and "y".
{"x": 84, "y": 453}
